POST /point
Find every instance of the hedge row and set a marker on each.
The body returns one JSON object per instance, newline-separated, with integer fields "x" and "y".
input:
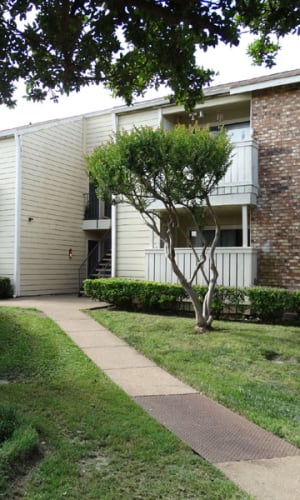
{"x": 266, "y": 304}
{"x": 5, "y": 288}
{"x": 135, "y": 294}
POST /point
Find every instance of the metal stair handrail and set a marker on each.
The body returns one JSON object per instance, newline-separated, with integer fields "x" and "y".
{"x": 83, "y": 273}
{"x": 83, "y": 268}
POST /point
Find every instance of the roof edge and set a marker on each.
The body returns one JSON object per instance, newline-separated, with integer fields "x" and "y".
{"x": 242, "y": 86}
{"x": 259, "y": 85}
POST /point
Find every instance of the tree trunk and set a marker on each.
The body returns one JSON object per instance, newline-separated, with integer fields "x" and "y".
{"x": 202, "y": 311}
{"x": 202, "y": 324}
{"x": 213, "y": 268}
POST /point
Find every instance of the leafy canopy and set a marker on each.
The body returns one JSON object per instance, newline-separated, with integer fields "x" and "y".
{"x": 174, "y": 167}
{"x": 59, "y": 46}
{"x": 177, "y": 168}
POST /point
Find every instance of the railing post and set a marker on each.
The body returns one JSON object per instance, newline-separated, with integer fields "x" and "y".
{"x": 245, "y": 225}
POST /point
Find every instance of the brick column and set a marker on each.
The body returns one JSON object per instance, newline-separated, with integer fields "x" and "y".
{"x": 275, "y": 222}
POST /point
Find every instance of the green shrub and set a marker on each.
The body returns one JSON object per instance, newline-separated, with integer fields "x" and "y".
{"x": 269, "y": 304}
{"x": 226, "y": 300}
{"x": 296, "y": 302}
{"x": 229, "y": 301}
{"x": 148, "y": 295}
{"x": 5, "y": 288}
{"x": 135, "y": 294}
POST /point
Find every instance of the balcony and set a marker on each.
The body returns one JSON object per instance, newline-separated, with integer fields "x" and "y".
{"x": 97, "y": 214}
{"x": 237, "y": 266}
{"x": 239, "y": 186}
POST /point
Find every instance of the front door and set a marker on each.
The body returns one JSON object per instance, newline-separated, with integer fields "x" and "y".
{"x": 93, "y": 255}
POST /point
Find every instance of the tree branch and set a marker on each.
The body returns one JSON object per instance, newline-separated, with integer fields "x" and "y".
{"x": 200, "y": 20}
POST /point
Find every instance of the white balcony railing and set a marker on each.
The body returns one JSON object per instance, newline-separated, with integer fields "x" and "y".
{"x": 237, "y": 266}
{"x": 239, "y": 185}
{"x": 241, "y": 177}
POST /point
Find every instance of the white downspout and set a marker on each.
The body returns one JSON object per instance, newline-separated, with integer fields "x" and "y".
{"x": 113, "y": 240}
{"x": 114, "y": 216}
{"x": 17, "y": 229}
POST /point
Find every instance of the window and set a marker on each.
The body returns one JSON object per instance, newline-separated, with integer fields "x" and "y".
{"x": 228, "y": 237}
{"x": 236, "y": 131}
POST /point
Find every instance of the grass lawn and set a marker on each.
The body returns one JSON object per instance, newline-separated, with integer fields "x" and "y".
{"x": 253, "y": 369}
{"x": 94, "y": 441}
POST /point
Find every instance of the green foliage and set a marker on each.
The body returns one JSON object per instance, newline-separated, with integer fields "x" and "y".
{"x": 263, "y": 51}
{"x": 23, "y": 442}
{"x": 229, "y": 364}
{"x": 174, "y": 167}
{"x": 266, "y": 304}
{"x": 14, "y": 453}
{"x": 296, "y": 302}
{"x": 97, "y": 442}
{"x": 269, "y": 20}
{"x": 135, "y": 294}
{"x": 8, "y": 421}
{"x": 5, "y": 288}
{"x": 154, "y": 296}
{"x": 18, "y": 441}
{"x": 59, "y": 47}
{"x": 269, "y": 304}
{"x": 149, "y": 295}
{"x": 227, "y": 301}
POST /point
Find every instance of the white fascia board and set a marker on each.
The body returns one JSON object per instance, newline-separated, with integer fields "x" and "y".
{"x": 49, "y": 124}
{"x": 209, "y": 102}
{"x": 140, "y": 106}
{"x": 28, "y": 129}
{"x": 163, "y": 102}
{"x": 6, "y": 134}
{"x": 265, "y": 85}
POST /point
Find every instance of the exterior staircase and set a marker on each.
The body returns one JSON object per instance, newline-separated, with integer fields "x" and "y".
{"x": 103, "y": 269}
{"x": 99, "y": 269}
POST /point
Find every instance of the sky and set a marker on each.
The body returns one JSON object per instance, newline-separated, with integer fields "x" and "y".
{"x": 231, "y": 63}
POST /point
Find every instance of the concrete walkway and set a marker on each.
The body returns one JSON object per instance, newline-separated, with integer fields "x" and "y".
{"x": 265, "y": 466}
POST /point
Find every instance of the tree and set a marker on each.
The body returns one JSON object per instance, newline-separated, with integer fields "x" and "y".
{"x": 58, "y": 46}
{"x": 178, "y": 169}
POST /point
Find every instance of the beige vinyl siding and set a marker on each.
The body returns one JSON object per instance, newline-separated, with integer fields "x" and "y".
{"x": 53, "y": 183}
{"x": 7, "y": 205}
{"x": 98, "y": 129}
{"x": 133, "y": 237}
{"x": 145, "y": 118}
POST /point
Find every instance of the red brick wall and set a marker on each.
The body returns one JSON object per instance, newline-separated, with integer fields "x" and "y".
{"x": 275, "y": 222}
